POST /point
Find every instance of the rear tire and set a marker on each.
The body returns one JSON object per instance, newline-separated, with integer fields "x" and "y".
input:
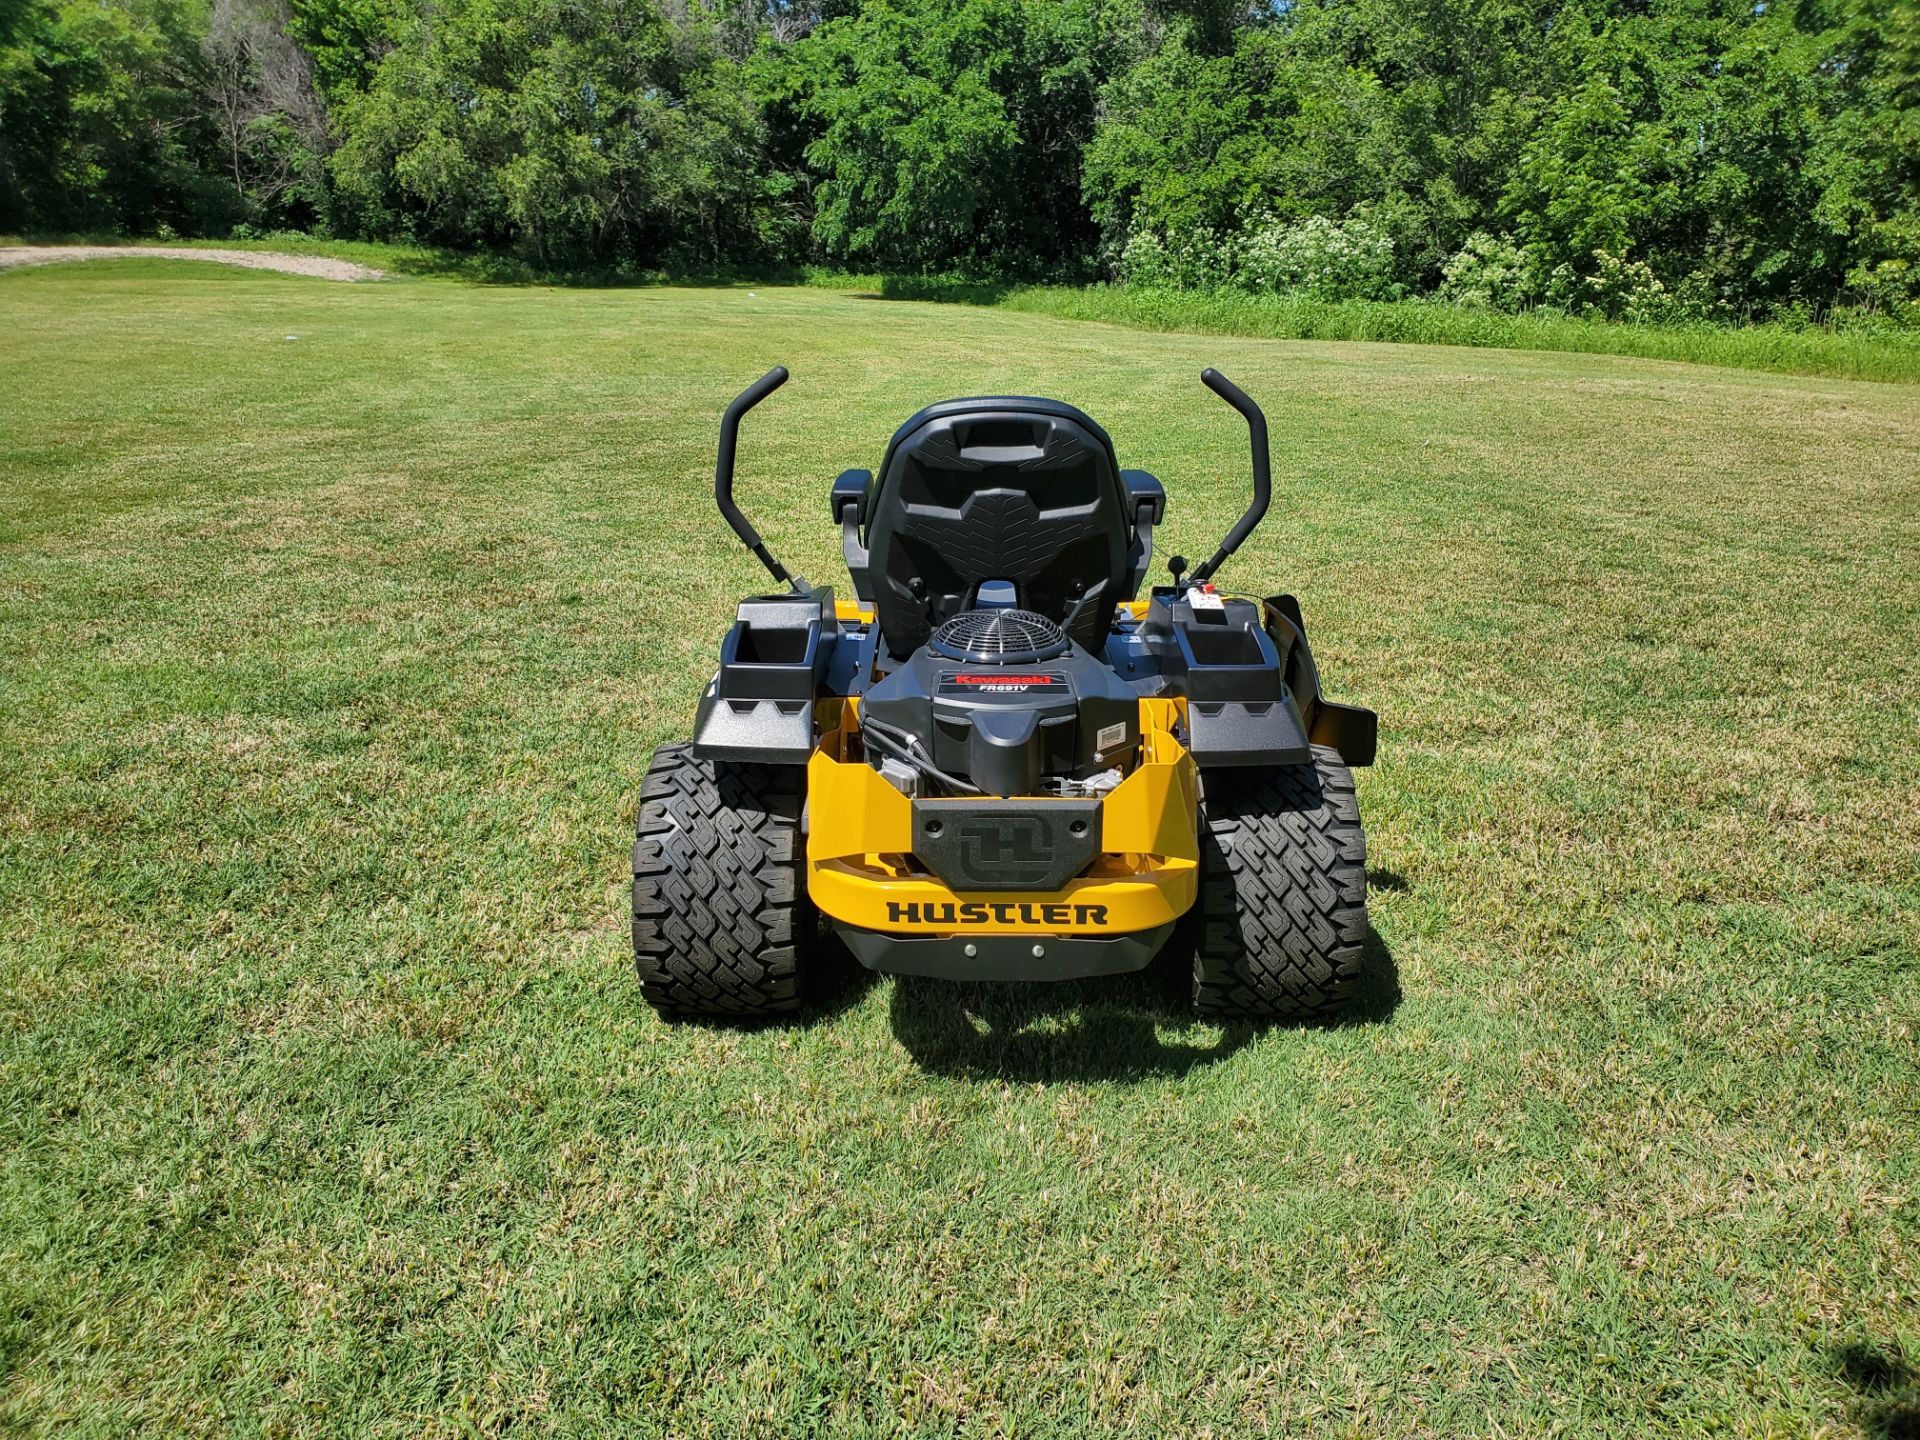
{"x": 721, "y": 921}
{"x": 1283, "y": 892}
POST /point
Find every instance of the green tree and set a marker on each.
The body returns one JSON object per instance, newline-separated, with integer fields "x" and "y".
{"x": 1408, "y": 112}
{"x": 951, "y": 132}
{"x": 103, "y": 120}
{"x": 585, "y": 130}
{"x": 1864, "y": 148}
{"x": 1649, "y": 157}
{"x": 345, "y": 39}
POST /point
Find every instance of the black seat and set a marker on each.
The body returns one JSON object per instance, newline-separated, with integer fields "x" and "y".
{"x": 1000, "y": 488}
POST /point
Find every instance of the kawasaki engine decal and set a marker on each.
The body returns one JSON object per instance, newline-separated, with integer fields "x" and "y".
{"x": 1001, "y": 682}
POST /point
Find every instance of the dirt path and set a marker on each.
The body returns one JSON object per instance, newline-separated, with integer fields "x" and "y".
{"x": 12, "y": 255}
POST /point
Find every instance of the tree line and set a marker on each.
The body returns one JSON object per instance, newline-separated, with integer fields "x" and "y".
{"x": 1656, "y": 159}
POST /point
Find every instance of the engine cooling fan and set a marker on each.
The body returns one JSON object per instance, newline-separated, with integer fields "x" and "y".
{"x": 999, "y": 637}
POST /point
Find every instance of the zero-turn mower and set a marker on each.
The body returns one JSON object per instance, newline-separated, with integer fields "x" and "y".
{"x": 997, "y": 763}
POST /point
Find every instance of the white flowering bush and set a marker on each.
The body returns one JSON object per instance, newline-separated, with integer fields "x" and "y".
{"x": 1330, "y": 260}
{"x": 1144, "y": 262}
{"x": 1197, "y": 259}
{"x": 1624, "y": 289}
{"x": 1488, "y": 272}
{"x": 1348, "y": 259}
{"x": 1888, "y": 290}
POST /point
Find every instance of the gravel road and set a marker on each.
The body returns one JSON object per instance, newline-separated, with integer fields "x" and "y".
{"x": 12, "y": 255}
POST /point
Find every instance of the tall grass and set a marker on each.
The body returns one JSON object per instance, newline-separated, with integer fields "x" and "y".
{"x": 1882, "y": 355}
{"x": 1858, "y": 354}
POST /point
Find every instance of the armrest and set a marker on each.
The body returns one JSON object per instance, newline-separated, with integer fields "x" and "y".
{"x": 850, "y": 491}
{"x": 1146, "y": 497}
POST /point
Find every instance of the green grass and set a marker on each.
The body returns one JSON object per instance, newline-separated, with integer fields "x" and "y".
{"x": 1883, "y": 352}
{"x": 329, "y": 667}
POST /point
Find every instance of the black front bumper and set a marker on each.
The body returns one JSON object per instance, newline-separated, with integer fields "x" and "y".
{"x": 1004, "y": 957}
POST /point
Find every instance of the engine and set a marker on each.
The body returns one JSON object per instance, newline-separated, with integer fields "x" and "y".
{"x": 1001, "y": 702}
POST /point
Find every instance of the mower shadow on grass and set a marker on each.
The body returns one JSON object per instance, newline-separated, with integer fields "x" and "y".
{"x": 1107, "y": 1029}
{"x": 1889, "y": 1388}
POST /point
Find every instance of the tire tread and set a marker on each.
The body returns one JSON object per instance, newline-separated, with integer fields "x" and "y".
{"x": 1283, "y": 894}
{"x": 721, "y": 922}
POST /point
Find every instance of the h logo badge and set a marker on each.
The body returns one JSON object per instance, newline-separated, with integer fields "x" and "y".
{"x": 1008, "y": 849}
{"x": 1019, "y": 844}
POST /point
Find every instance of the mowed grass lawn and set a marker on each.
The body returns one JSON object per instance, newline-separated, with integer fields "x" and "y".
{"x": 337, "y": 624}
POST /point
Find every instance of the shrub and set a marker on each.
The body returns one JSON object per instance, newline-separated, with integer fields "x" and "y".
{"x": 1197, "y": 259}
{"x": 1488, "y": 272}
{"x": 1327, "y": 259}
{"x": 1623, "y": 289}
{"x": 1889, "y": 288}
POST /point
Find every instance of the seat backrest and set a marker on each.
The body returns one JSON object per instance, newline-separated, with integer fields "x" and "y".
{"x": 1000, "y": 488}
